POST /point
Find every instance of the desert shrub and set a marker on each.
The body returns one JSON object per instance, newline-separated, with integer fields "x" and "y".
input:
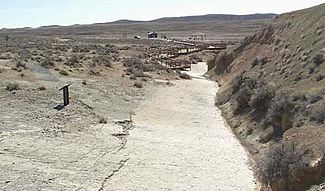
{"x": 12, "y": 87}
{"x": 318, "y": 59}
{"x": 185, "y": 76}
{"x": 94, "y": 72}
{"x": 318, "y": 114}
{"x": 320, "y": 77}
{"x": 148, "y": 68}
{"x": 102, "y": 61}
{"x": 221, "y": 98}
{"x": 63, "y": 73}
{"x": 138, "y": 84}
{"x": 299, "y": 97}
{"x": 109, "y": 49}
{"x": 73, "y": 61}
{"x": 254, "y": 63}
{"x": 194, "y": 62}
{"x": 261, "y": 97}
{"x": 139, "y": 74}
{"x": 315, "y": 98}
{"x": 196, "y": 57}
{"x": 311, "y": 69}
{"x": 42, "y": 88}
{"x": 20, "y": 64}
{"x": 133, "y": 62}
{"x": 243, "y": 81}
{"x": 221, "y": 62}
{"x": 259, "y": 61}
{"x": 211, "y": 62}
{"x": 242, "y": 98}
{"x": 285, "y": 53}
{"x": 304, "y": 58}
{"x": 80, "y": 49}
{"x": 7, "y": 56}
{"x": 47, "y": 63}
{"x": 102, "y": 120}
{"x": 250, "y": 92}
{"x": 280, "y": 165}
{"x": 156, "y": 65}
{"x": 279, "y": 115}
{"x": 237, "y": 82}
{"x": 84, "y": 82}
{"x": 297, "y": 78}
{"x": 263, "y": 60}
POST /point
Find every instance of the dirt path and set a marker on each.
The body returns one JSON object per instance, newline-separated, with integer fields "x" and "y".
{"x": 181, "y": 143}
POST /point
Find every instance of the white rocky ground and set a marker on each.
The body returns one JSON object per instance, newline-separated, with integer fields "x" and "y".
{"x": 181, "y": 142}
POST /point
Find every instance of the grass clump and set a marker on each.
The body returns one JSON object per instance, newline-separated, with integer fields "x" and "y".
{"x": 315, "y": 98}
{"x": 138, "y": 84}
{"x": 42, "y": 88}
{"x": 318, "y": 59}
{"x": 259, "y": 61}
{"x": 12, "y": 87}
{"x": 133, "y": 62}
{"x": 280, "y": 165}
{"x": 242, "y": 99}
{"x": 195, "y": 58}
{"x": 73, "y": 61}
{"x": 185, "y": 76}
{"x": 102, "y": 61}
{"x": 280, "y": 115}
{"x": 20, "y": 64}
{"x": 63, "y": 73}
{"x": 318, "y": 114}
{"x": 221, "y": 62}
{"x": 47, "y": 63}
{"x": 102, "y": 120}
{"x": 261, "y": 97}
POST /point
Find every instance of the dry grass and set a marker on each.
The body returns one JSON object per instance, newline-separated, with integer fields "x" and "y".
{"x": 12, "y": 87}
{"x": 138, "y": 84}
{"x": 185, "y": 76}
{"x": 63, "y": 73}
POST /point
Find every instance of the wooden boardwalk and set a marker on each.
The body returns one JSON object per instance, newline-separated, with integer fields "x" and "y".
{"x": 169, "y": 58}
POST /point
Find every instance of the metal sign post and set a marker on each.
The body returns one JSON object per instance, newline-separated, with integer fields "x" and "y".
{"x": 66, "y": 94}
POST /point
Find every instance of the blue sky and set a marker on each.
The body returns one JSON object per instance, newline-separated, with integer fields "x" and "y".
{"x": 34, "y": 13}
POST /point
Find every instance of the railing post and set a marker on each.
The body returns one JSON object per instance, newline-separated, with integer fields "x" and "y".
{"x": 66, "y": 95}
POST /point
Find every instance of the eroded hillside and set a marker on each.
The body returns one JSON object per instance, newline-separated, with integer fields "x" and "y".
{"x": 273, "y": 95}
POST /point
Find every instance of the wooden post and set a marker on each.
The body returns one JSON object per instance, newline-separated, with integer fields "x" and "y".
{"x": 66, "y": 94}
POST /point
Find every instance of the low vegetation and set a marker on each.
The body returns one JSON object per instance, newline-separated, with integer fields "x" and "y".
{"x": 138, "y": 84}
{"x": 47, "y": 63}
{"x": 73, "y": 61}
{"x": 12, "y": 87}
{"x": 63, "y": 73}
{"x": 102, "y": 61}
{"x": 221, "y": 63}
{"x": 272, "y": 93}
{"x": 318, "y": 114}
{"x": 185, "y": 76}
{"x": 102, "y": 120}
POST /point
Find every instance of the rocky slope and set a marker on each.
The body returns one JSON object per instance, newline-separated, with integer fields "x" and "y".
{"x": 272, "y": 93}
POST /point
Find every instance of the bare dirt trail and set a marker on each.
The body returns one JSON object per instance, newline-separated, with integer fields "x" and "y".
{"x": 182, "y": 143}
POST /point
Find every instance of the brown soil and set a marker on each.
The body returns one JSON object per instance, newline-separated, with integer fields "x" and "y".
{"x": 289, "y": 45}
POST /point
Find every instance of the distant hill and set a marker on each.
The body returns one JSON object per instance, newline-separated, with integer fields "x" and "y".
{"x": 124, "y": 21}
{"x": 209, "y": 17}
{"x": 214, "y": 25}
{"x": 214, "y": 17}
